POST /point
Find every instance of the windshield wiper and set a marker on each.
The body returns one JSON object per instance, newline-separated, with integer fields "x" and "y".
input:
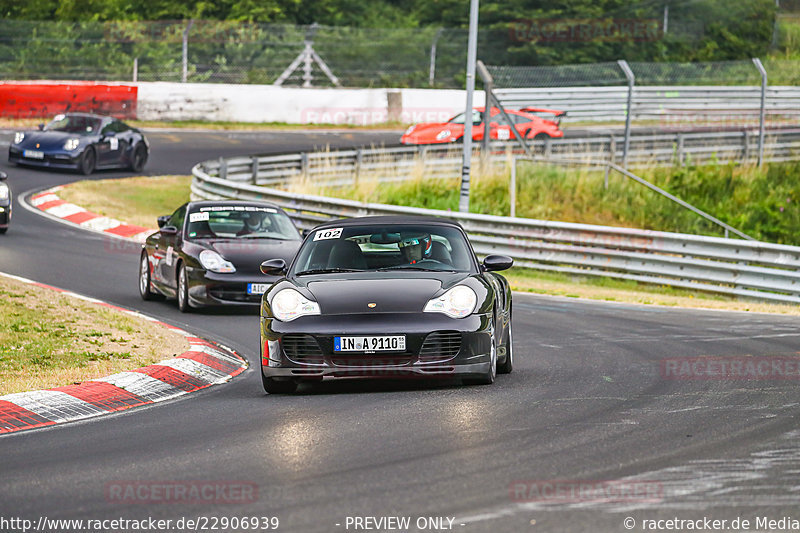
{"x": 257, "y": 236}
{"x": 417, "y": 268}
{"x": 328, "y": 271}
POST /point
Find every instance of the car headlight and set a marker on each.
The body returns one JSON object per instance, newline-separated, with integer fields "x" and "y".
{"x": 71, "y": 144}
{"x": 3, "y": 191}
{"x": 443, "y": 135}
{"x": 19, "y": 137}
{"x": 458, "y": 302}
{"x": 214, "y": 262}
{"x": 289, "y": 304}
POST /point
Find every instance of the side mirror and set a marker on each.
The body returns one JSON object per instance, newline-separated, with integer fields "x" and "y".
{"x": 169, "y": 231}
{"x": 40, "y": 126}
{"x": 3, "y": 176}
{"x": 273, "y": 267}
{"x": 162, "y": 220}
{"x": 494, "y": 263}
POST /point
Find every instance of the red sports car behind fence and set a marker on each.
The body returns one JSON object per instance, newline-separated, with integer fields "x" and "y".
{"x": 527, "y": 121}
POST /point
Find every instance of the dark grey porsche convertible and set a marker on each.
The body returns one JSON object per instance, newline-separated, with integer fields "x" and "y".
{"x": 83, "y": 142}
{"x": 385, "y": 297}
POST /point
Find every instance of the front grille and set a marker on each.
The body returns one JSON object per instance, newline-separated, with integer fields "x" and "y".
{"x": 302, "y": 349}
{"x": 440, "y": 346}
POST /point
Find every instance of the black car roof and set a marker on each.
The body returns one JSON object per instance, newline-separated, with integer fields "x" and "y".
{"x": 89, "y": 115}
{"x": 389, "y": 219}
{"x": 231, "y": 203}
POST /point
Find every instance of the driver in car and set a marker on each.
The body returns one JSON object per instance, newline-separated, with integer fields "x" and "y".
{"x": 252, "y": 224}
{"x": 415, "y": 248}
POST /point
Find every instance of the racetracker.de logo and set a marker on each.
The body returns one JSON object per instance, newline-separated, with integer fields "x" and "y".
{"x": 585, "y": 30}
{"x": 181, "y": 492}
{"x": 365, "y": 116}
{"x": 583, "y": 491}
{"x": 731, "y": 368}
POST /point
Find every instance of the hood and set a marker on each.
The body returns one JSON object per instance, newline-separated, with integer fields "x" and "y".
{"x": 248, "y": 254}
{"x": 428, "y": 131}
{"x": 48, "y": 140}
{"x": 390, "y": 294}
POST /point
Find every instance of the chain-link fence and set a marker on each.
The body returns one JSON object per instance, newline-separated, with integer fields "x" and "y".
{"x": 241, "y": 52}
{"x": 229, "y": 52}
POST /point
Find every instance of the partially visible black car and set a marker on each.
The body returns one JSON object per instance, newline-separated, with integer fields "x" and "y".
{"x": 6, "y": 201}
{"x": 81, "y": 141}
{"x": 386, "y": 297}
{"x": 209, "y": 253}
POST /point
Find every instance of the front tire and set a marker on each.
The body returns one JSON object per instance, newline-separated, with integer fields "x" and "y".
{"x": 273, "y": 386}
{"x": 139, "y": 158}
{"x": 144, "y": 279}
{"x": 3, "y": 231}
{"x": 88, "y": 161}
{"x": 183, "y": 290}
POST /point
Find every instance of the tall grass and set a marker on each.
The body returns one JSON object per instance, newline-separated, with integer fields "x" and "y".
{"x": 760, "y": 202}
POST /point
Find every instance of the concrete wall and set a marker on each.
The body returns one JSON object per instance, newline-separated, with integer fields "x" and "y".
{"x": 265, "y": 103}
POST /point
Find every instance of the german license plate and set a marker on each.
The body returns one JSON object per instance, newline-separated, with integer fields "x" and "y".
{"x": 257, "y": 288}
{"x": 33, "y": 154}
{"x": 393, "y": 343}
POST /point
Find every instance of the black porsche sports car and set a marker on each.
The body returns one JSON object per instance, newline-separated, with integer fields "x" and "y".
{"x": 81, "y": 141}
{"x": 209, "y": 253}
{"x": 6, "y": 201}
{"x": 385, "y": 297}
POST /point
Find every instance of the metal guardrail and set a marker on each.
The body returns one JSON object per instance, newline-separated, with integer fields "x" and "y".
{"x": 346, "y": 167}
{"x": 668, "y": 105}
{"x": 749, "y": 269}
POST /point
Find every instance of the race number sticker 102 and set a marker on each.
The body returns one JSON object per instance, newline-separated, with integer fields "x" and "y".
{"x": 333, "y": 233}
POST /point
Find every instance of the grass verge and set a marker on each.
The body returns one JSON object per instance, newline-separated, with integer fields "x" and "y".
{"x": 133, "y": 200}
{"x": 49, "y": 339}
{"x": 115, "y": 192}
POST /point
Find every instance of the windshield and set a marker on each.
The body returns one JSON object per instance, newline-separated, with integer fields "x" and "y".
{"x": 385, "y": 247}
{"x": 240, "y": 222}
{"x": 80, "y": 125}
{"x": 477, "y": 118}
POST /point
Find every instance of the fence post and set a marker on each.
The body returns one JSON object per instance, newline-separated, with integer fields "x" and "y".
{"x": 304, "y": 164}
{"x": 680, "y": 149}
{"x": 488, "y": 88}
{"x": 135, "y": 69}
{"x": 746, "y": 146}
{"x": 432, "y": 73}
{"x": 254, "y": 167}
{"x": 223, "y": 168}
{"x": 631, "y": 81}
{"x": 185, "y": 51}
{"x": 359, "y": 159}
{"x": 763, "y": 110}
{"x": 612, "y": 148}
{"x": 512, "y": 188}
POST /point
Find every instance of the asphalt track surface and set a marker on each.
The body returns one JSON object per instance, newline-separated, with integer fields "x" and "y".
{"x": 588, "y": 402}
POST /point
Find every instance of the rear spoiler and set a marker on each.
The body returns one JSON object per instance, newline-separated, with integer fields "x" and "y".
{"x": 558, "y": 115}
